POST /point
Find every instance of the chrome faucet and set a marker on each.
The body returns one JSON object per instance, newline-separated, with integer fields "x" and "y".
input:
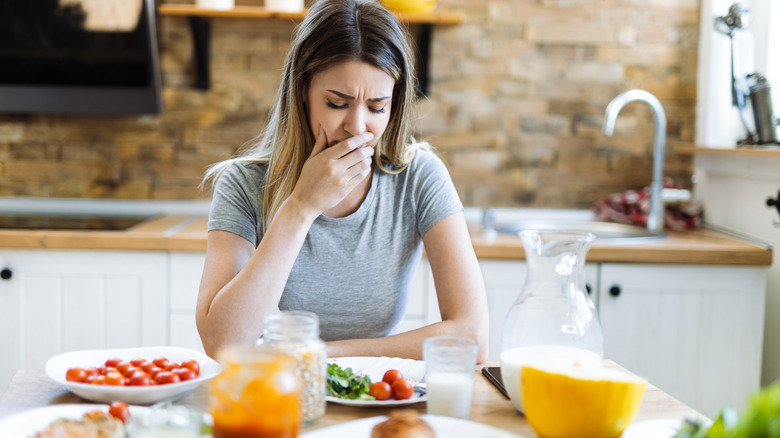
{"x": 655, "y": 218}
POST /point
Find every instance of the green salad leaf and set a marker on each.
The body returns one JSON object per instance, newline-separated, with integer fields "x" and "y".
{"x": 761, "y": 418}
{"x": 343, "y": 383}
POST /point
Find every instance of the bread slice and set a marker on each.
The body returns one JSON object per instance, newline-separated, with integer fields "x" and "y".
{"x": 403, "y": 424}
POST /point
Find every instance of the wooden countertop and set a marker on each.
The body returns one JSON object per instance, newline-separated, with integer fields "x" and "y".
{"x": 32, "y": 389}
{"x": 188, "y": 233}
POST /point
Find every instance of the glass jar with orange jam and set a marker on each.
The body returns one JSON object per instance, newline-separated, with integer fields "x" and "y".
{"x": 256, "y": 395}
{"x": 298, "y": 334}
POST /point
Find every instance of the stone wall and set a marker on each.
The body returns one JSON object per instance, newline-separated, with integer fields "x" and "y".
{"x": 515, "y": 105}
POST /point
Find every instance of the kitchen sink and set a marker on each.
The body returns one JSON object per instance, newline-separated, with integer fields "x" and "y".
{"x": 602, "y": 230}
{"x": 513, "y": 221}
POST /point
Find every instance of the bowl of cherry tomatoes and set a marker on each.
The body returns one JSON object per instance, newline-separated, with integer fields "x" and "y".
{"x": 143, "y": 375}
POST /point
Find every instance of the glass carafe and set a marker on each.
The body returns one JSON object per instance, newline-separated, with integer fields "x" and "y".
{"x": 553, "y": 318}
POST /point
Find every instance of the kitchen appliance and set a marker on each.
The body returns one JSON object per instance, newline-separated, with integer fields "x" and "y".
{"x": 755, "y": 87}
{"x": 79, "y": 57}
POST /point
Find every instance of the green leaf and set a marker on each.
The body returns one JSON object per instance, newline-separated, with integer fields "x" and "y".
{"x": 344, "y": 383}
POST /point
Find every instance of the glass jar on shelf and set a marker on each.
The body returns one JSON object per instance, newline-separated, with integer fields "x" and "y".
{"x": 298, "y": 333}
{"x": 553, "y": 318}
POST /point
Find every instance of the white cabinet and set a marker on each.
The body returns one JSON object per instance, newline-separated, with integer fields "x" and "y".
{"x": 693, "y": 331}
{"x": 56, "y": 301}
{"x": 186, "y": 269}
{"x": 734, "y": 188}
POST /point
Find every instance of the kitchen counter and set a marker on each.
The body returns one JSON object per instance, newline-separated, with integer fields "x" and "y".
{"x": 183, "y": 232}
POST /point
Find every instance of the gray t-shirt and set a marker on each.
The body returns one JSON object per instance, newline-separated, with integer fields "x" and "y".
{"x": 354, "y": 272}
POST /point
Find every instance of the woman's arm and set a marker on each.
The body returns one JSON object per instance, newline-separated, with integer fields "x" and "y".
{"x": 460, "y": 292}
{"x": 241, "y": 284}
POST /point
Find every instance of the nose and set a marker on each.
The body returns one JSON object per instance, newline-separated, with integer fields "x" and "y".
{"x": 355, "y": 122}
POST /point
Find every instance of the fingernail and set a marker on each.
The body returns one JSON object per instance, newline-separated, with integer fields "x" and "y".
{"x": 369, "y": 135}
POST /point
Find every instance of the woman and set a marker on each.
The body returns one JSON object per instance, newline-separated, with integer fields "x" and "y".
{"x": 326, "y": 213}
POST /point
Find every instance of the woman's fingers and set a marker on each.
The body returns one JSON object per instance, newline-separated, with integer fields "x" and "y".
{"x": 345, "y": 147}
{"x": 321, "y": 143}
{"x": 362, "y": 167}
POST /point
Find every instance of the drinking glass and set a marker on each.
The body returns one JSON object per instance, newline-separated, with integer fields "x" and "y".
{"x": 256, "y": 395}
{"x": 449, "y": 374}
{"x": 166, "y": 420}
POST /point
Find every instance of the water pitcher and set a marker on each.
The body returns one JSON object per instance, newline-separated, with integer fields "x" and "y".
{"x": 553, "y": 318}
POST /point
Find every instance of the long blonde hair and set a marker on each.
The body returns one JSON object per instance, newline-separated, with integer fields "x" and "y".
{"x": 333, "y": 31}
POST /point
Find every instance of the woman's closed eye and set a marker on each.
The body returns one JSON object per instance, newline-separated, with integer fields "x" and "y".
{"x": 374, "y": 110}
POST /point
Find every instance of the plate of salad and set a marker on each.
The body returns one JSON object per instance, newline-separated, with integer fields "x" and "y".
{"x": 375, "y": 381}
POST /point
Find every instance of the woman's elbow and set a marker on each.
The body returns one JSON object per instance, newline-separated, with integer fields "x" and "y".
{"x": 483, "y": 341}
{"x": 478, "y": 330}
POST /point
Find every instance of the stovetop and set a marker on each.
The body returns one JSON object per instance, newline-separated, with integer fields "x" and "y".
{"x": 53, "y": 222}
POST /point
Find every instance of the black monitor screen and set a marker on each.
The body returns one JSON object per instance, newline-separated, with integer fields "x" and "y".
{"x": 81, "y": 56}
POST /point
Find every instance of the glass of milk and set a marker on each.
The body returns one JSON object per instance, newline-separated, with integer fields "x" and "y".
{"x": 450, "y": 364}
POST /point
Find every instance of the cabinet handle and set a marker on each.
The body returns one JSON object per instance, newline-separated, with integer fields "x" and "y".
{"x": 614, "y": 291}
{"x": 6, "y": 274}
{"x": 588, "y": 288}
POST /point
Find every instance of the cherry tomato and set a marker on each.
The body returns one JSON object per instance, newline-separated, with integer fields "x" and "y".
{"x": 154, "y": 371}
{"x": 391, "y": 376}
{"x": 193, "y": 365}
{"x": 107, "y": 370}
{"x": 99, "y": 380}
{"x": 119, "y": 410}
{"x": 147, "y": 366}
{"x": 171, "y": 366}
{"x": 140, "y": 378}
{"x": 161, "y": 362}
{"x": 137, "y": 361}
{"x": 92, "y": 371}
{"x": 115, "y": 378}
{"x": 113, "y": 362}
{"x": 76, "y": 375}
{"x": 380, "y": 391}
{"x": 184, "y": 374}
{"x": 401, "y": 389}
{"x": 122, "y": 367}
{"x": 130, "y": 371}
{"x": 166, "y": 377}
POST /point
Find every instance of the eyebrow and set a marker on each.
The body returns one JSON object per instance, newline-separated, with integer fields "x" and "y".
{"x": 348, "y": 97}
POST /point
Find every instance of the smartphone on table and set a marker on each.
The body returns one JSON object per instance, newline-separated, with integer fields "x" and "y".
{"x": 493, "y": 374}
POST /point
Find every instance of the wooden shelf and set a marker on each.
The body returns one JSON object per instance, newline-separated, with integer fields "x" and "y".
{"x": 256, "y": 12}
{"x": 767, "y": 151}
{"x": 200, "y": 23}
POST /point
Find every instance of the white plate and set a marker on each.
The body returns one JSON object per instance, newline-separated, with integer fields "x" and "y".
{"x": 375, "y": 368}
{"x": 28, "y": 423}
{"x": 442, "y": 426}
{"x": 662, "y": 428}
{"x": 57, "y": 366}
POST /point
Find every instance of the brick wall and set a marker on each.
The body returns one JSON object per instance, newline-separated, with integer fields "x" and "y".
{"x": 515, "y": 105}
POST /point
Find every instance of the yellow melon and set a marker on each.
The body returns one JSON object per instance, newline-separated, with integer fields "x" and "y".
{"x": 571, "y": 401}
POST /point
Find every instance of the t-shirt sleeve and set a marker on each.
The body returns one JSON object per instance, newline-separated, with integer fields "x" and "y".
{"x": 234, "y": 205}
{"x": 435, "y": 193}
